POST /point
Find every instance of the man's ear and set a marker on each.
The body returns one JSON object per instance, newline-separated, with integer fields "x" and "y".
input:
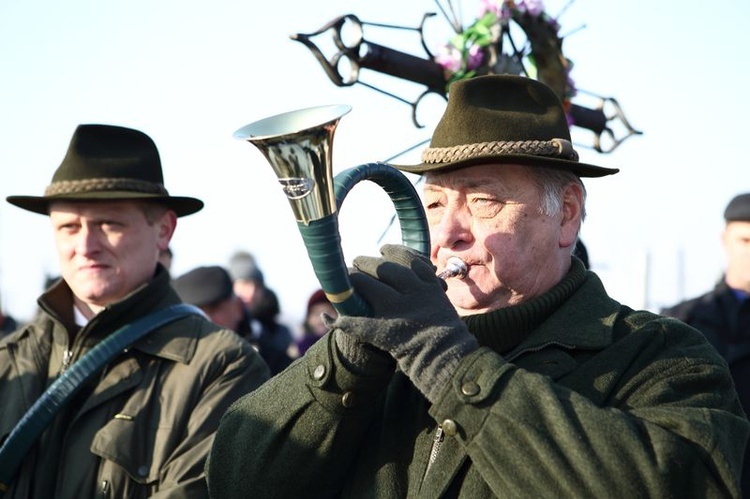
{"x": 167, "y": 226}
{"x": 572, "y": 212}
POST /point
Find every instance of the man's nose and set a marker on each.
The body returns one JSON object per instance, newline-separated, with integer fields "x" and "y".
{"x": 88, "y": 240}
{"x": 453, "y": 227}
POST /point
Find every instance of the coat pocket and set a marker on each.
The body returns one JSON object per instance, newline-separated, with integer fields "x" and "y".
{"x": 136, "y": 446}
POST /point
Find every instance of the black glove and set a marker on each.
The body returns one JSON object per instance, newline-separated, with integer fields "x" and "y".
{"x": 413, "y": 320}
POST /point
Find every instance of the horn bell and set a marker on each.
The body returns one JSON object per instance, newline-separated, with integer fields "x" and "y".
{"x": 298, "y": 146}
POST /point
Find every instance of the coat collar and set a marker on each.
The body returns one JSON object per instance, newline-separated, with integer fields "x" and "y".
{"x": 584, "y": 322}
{"x": 174, "y": 341}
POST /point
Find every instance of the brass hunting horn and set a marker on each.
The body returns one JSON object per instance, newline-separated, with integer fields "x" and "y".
{"x": 298, "y": 145}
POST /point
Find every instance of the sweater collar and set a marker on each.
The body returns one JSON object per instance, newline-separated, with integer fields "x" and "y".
{"x": 503, "y": 329}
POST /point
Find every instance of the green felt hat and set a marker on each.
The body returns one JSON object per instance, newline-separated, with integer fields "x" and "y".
{"x": 107, "y": 162}
{"x": 503, "y": 119}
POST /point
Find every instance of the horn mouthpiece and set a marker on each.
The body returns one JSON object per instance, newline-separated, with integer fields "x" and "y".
{"x": 454, "y": 267}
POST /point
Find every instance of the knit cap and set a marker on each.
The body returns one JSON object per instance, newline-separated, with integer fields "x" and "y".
{"x": 738, "y": 209}
{"x": 243, "y": 266}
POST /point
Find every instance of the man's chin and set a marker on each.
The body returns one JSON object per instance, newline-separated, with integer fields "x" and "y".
{"x": 94, "y": 297}
{"x": 464, "y": 303}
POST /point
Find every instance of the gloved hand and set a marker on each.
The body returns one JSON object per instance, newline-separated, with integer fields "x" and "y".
{"x": 413, "y": 320}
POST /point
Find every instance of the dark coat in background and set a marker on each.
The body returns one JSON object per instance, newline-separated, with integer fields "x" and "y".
{"x": 272, "y": 339}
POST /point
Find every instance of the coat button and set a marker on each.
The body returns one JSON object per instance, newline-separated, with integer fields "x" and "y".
{"x": 142, "y": 471}
{"x": 470, "y": 389}
{"x": 348, "y": 399}
{"x": 319, "y": 372}
{"x": 450, "y": 427}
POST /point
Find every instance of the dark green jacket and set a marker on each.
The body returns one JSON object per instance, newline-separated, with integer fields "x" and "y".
{"x": 724, "y": 319}
{"x": 597, "y": 401}
{"x": 143, "y": 428}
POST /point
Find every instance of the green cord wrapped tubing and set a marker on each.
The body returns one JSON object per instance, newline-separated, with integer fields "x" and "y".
{"x": 323, "y": 241}
{"x": 415, "y": 232}
{"x": 40, "y": 415}
{"x": 323, "y": 244}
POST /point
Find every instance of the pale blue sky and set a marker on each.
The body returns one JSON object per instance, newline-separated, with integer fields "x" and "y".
{"x": 190, "y": 73}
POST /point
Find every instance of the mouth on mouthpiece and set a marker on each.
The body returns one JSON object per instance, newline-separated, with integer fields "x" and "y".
{"x": 454, "y": 267}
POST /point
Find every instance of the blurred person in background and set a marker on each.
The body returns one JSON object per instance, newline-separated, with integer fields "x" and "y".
{"x": 210, "y": 289}
{"x": 723, "y": 313}
{"x": 8, "y": 323}
{"x": 275, "y": 339}
{"x": 261, "y": 323}
{"x": 313, "y": 325}
{"x": 247, "y": 279}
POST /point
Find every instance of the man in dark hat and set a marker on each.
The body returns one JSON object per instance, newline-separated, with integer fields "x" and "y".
{"x": 142, "y": 425}
{"x": 723, "y": 314}
{"x": 210, "y": 289}
{"x": 522, "y": 379}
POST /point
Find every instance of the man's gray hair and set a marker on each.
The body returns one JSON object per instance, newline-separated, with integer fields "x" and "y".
{"x": 552, "y": 183}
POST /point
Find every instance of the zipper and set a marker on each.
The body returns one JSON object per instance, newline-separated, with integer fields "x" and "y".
{"x": 67, "y": 357}
{"x": 439, "y": 437}
{"x": 437, "y": 442}
{"x": 104, "y": 488}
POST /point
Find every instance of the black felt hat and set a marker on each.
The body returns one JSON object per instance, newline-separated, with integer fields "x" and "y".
{"x": 204, "y": 285}
{"x": 738, "y": 209}
{"x": 106, "y": 162}
{"x": 503, "y": 119}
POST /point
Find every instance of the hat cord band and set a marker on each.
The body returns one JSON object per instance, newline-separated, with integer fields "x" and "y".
{"x": 555, "y": 147}
{"x": 103, "y": 184}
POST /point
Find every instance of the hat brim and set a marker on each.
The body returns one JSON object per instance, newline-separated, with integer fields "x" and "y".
{"x": 580, "y": 169}
{"x": 182, "y": 206}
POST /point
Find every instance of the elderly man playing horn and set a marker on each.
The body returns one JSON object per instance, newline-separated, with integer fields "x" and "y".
{"x": 137, "y": 421}
{"x": 524, "y": 379}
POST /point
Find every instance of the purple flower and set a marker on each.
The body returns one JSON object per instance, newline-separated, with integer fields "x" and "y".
{"x": 572, "y": 87}
{"x": 500, "y": 8}
{"x": 493, "y": 6}
{"x": 449, "y": 57}
{"x": 476, "y": 57}
{"x": 533, "y": 7}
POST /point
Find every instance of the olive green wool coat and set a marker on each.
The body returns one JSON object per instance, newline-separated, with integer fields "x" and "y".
{"x": 144, "y": 426}
{"x": 597, "y": 401}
